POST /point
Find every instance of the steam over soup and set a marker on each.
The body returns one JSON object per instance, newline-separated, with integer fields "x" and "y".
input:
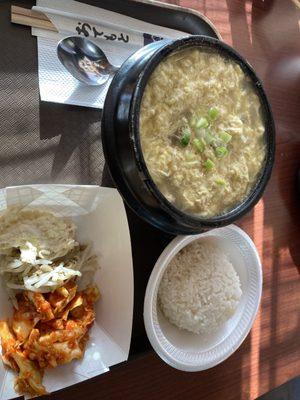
{"x": 202, "y": 133}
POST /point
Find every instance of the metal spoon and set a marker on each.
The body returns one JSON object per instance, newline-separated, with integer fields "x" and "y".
{"x": 84, "y": 60}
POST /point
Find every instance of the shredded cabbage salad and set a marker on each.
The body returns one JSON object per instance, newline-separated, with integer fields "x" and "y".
{"x": 49, "y": 260}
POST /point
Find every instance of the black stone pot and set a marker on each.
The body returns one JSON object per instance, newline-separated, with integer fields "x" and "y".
{"x": 122, "y": 148}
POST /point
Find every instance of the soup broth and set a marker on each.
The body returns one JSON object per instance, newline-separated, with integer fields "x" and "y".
{"x": 202, "y": 132}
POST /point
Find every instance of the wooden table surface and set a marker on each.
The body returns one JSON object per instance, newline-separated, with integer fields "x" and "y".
{"x": 267, "y": 34}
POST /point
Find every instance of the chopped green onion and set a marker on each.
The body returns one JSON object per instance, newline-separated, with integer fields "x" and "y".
{"x": 213, "y": 113}
{"x": 202, "y": 123}
{"x": 199, "y": 145}
{"x": 220, "y": 181}
{"x": 209, "y": 164}
{"x": 221, "y": 151}
{"x": 186, "y": 136}
{"x": 226, "y": 137}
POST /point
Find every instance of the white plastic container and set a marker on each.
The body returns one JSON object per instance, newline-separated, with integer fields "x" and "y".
{"x": 100, "y": 217}
{"x": 191, "y": 352}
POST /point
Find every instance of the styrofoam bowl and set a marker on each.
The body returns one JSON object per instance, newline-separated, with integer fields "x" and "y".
{"x": 191, "y": 352}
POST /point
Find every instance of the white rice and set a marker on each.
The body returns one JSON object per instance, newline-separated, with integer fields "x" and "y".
{"x": 200, "y": 289}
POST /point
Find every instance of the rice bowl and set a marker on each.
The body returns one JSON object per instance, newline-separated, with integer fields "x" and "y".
{"x": 200, "y": 289}
{"x": 188, "y": 351}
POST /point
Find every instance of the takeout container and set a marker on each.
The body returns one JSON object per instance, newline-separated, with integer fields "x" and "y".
{"x": 100, "y": 217}
{"x": 122, "y": 147}
{"x": 191, "y": 352}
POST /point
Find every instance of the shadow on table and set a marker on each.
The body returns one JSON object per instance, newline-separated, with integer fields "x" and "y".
{"x": 267, "y": 30}
{"x": 253, "y": 30}
{"x": 79, "y": 132}
{"x": 281, "y": 49}
{"x": 147, "y": 243}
